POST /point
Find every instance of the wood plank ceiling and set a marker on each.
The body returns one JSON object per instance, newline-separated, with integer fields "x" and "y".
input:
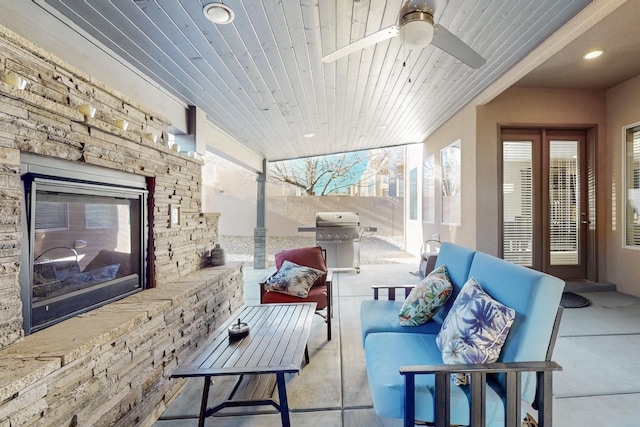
{"x": 262, "y": 81}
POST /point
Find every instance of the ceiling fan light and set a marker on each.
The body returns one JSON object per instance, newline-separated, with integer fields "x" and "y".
{"x": 218, "y": 13}
{"x": 416, "y": 29}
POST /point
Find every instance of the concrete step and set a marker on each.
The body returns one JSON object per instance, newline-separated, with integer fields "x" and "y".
{"x": 583, "y": 285}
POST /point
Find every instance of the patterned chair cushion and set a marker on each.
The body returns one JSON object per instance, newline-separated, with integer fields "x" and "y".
{"x": 293, "y": 279}
{"x": 475, "y": 329}
{"x": 426, "y": 298}
{"x": 309, "y": 257}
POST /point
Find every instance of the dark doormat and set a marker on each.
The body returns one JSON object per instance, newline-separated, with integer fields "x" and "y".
{"x": 571, "y": 300}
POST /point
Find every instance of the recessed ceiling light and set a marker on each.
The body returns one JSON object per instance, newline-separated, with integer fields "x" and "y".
{"x": 309, "y": 135}
{"x": 218, "y": 13}
{"x": 593, "y": 54}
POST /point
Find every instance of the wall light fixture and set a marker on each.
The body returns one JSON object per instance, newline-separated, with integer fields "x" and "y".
{"x": 87, "y": 110}
{"x": 15, "y": 80}
{"x": 122, "y": 124}
{"x": 151, "y": 137}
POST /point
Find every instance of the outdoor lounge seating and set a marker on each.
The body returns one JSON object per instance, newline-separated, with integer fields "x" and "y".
{"x": 408, "y": 377}
{"x": 319, "y": 291}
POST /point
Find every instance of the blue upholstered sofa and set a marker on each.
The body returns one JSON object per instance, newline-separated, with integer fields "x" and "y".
{"x": 407, "y": 375}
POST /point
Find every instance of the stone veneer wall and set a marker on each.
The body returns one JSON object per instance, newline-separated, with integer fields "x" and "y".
{"x": 111, "y": 365}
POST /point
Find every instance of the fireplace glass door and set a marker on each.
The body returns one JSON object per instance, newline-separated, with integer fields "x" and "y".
{"x": 87, "y": 247}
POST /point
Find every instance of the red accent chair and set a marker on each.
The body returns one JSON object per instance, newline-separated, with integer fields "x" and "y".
{"x": 320, "y": 291}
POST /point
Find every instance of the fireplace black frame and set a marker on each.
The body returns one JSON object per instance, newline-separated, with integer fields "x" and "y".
{"x": 75, "y": 178}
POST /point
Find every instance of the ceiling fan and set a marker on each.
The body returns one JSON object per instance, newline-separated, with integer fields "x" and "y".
{"x": 416, "y": 30}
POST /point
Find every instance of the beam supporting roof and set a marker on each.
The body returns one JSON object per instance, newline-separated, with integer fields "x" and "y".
{"x": 225, "y": 146}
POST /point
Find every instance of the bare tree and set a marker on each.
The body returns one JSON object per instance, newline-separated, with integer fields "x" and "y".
{"x": 322, "y": 175}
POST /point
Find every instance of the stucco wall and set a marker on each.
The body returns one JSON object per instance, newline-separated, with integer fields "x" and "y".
{"x": 622, "y": 265}
{"x": 478, "y": 129}
{"x": 462, "y": 126}
{"x": 232, "y": 191}
{"x": 286, "y": 213}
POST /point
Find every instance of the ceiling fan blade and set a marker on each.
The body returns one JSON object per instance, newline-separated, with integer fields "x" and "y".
{"x": 370, "y": 40}
{"x": 455, "y": 47}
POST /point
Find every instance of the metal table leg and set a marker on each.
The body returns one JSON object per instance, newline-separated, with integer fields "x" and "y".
{"x": 205, "y": 398}
{"x": 284, "y": 404}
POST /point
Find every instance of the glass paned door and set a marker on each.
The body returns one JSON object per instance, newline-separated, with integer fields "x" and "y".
{"x": 564, "y": 203}
{"x": 566, "y": 221}
{"x": 517, "y": 194}
{"x": 544, "y": 200}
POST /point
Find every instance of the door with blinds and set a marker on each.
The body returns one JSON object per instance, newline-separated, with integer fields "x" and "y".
{"x": 544, "y": 200}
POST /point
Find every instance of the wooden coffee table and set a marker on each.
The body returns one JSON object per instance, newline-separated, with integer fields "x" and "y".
{"x": 276, "y": 345}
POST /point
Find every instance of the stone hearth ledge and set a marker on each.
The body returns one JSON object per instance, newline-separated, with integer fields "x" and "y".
{"x": 25, "y": 363}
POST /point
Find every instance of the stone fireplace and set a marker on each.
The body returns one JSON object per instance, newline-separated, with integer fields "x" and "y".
{"x": 87, "y": 234}
{"x": 98, "y": 364}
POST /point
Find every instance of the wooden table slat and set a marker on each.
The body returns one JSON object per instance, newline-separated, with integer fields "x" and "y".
{"x": 276, "y": 343}
{"x": 217, "y": 343}
{"x": 289, "y": 354}
{"x": 259, "y": 322}
{"x": 282, "y": 331}
{"x": 263, "y": 341}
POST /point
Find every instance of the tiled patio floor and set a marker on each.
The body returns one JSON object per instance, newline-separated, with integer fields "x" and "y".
{"x": 597, "y": 347}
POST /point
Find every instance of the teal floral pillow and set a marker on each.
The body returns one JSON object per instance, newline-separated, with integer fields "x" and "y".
{"x": 475, "y": 329}
{"x": 426, "y": 298}
{"x": 293, "y": 279}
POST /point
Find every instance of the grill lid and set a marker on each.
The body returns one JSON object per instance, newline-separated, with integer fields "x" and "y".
{"x": 337, "y": 219}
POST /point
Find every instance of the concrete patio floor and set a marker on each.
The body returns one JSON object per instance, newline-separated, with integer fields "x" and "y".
{"x": 597, "y": 347}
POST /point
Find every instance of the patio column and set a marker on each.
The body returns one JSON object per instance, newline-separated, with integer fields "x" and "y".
{"x": 260, "y": 260}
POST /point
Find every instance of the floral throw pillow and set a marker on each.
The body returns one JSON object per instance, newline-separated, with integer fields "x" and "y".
{"x": 474, "y": 330}
{"x": 426, "y": 298}
{"x": 293, "y": 279}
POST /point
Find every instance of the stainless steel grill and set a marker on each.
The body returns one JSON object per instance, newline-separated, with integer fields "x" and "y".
{"x": 339, "y": 233}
